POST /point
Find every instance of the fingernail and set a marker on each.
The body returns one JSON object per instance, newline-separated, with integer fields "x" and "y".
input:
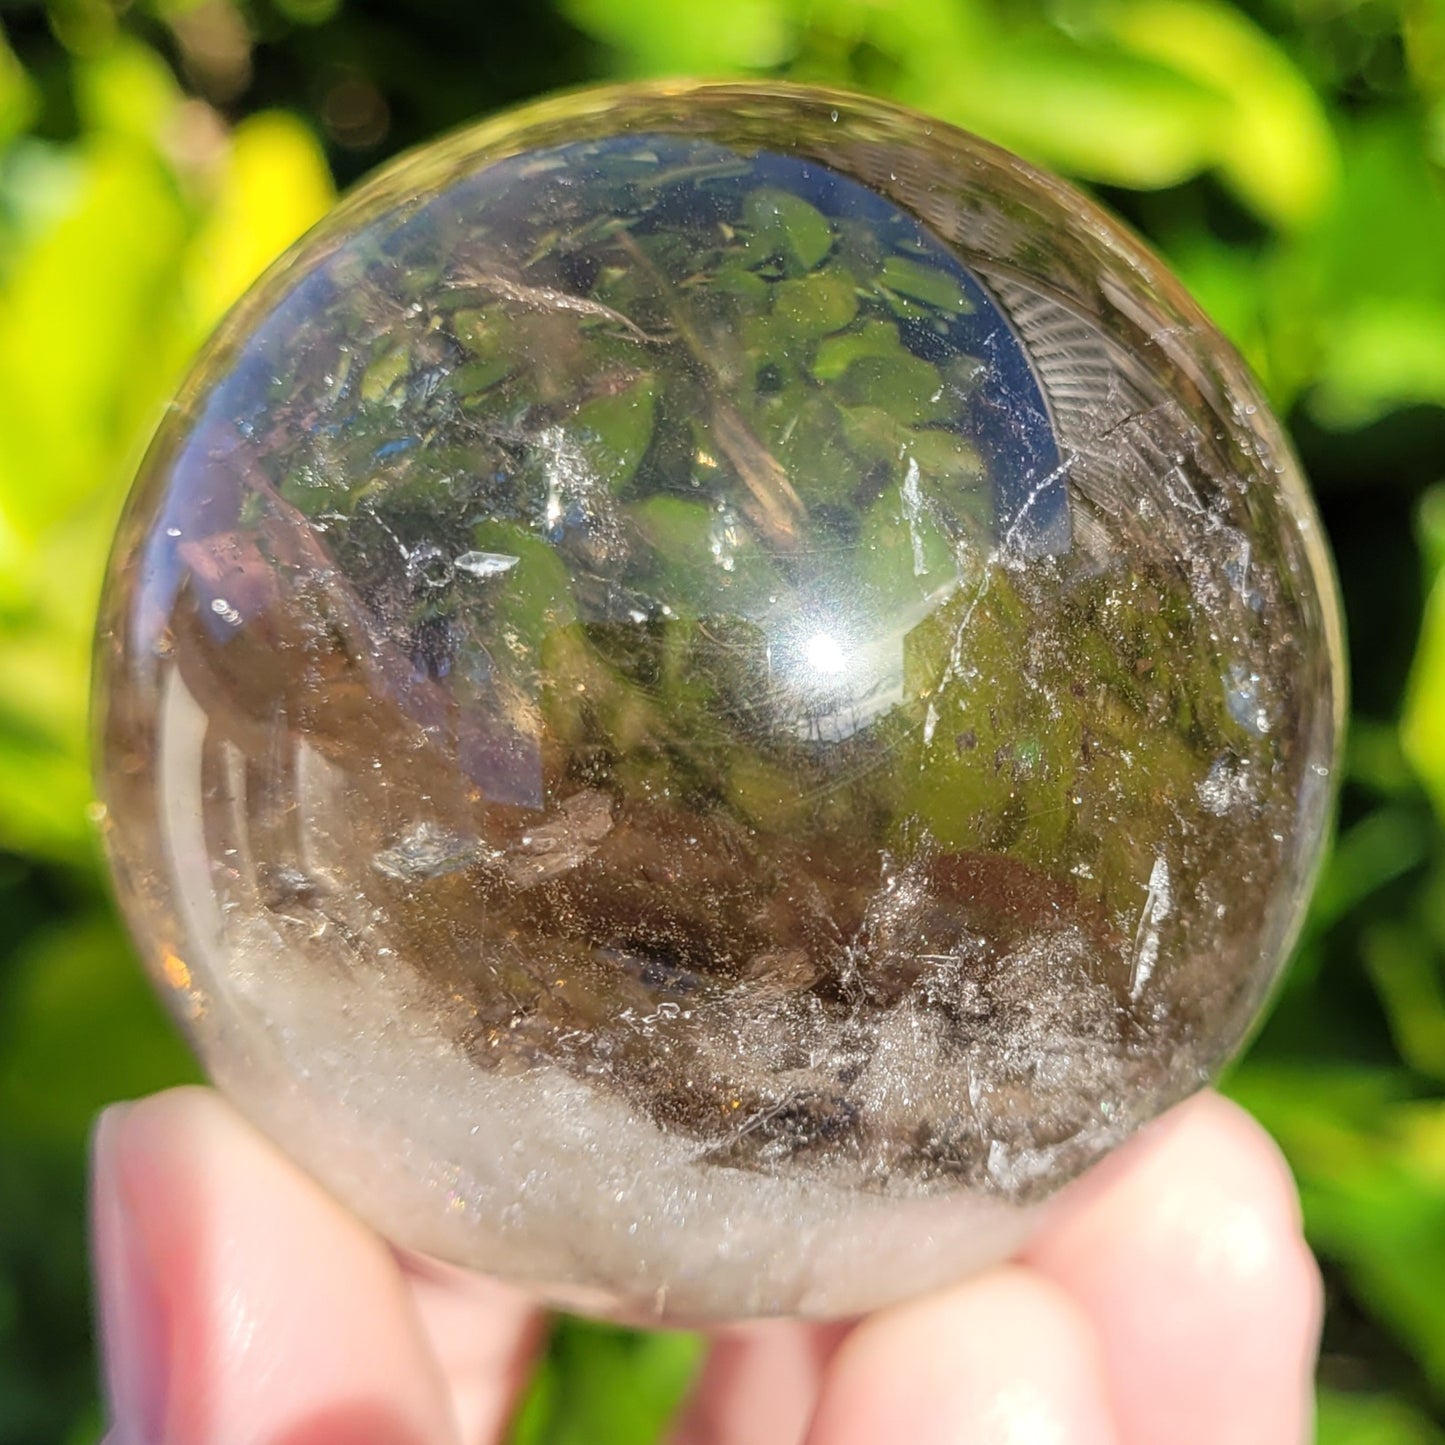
{"x": 131, "y": 1306}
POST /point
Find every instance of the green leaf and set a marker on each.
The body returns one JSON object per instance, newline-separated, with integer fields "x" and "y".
{"x": 1379, "y": 356}
{"x": 904, "y": 557}
{"x": 781, "y": 217}
{"x": 275, "y": 185}
{"x": 1371, "y": 853}
{"x": 676, "y": 528}
{"x": 1373, "y": 1419}
{"x": 1406, "y": 973}
{"x": 81, "y": 1029}
{"x": 1275, "y": 146}
{"x": 1347, "y": 307}
{"x": 617, "y": 429}
{"x": 79, "y": 386}
{"x": 662, "y": 37}
{"x": 944, "y": 458}
{"x": 534, "y": 596}
{"x": 836, "y": 354}
{"x": 115, "y": 274}
{"x": 128, "y": 90}
{"x": 383, "y": 373}
{"x": 601, "y": 1385}
{"x": 815, "y": 305}
{"x": 17, "y": 94}
{"x": 807, "y": 439}
{"x": 1422, "y": 723}
{"x": 929, "y": 284}
{"x": 906, "y": 387}
{"x": 1087, "y": 110}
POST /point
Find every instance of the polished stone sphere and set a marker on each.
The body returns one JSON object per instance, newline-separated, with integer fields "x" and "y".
{"x": 709, "y": 692}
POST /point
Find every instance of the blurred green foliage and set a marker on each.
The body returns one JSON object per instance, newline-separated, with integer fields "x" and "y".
{"x": 1285, "y": 155}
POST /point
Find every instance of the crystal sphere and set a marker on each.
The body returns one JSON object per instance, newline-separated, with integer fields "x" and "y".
{"x": 708, "y": 692}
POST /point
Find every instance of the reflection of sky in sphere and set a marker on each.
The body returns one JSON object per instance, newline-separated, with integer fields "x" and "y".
{"x": 533, "y": 228}
{"x": 1006, "y": 416}
{"x": 835, "y": 651}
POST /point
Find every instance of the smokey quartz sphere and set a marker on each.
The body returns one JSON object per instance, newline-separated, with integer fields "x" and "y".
{"x": 711, "y": 691}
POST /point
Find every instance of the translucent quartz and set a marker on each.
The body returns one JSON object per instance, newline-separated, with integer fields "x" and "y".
{"x": 711, "y": 691}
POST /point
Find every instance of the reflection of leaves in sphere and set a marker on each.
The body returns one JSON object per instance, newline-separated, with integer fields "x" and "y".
{"x": 682, "y": 666}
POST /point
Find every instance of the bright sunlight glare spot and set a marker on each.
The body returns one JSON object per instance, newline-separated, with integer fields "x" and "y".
{"x": 825, "y": 654}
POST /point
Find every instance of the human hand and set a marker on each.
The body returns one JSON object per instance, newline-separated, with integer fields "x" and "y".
{"x": 1168, "y": 1299}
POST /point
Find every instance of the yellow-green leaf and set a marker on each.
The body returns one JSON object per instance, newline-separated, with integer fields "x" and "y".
{"x": 17, "y": 94}
{"x": 1422, "y": 723}
{"x": 1275, "y": 146}
{"x": 662, "y": 36}
{"x": 276, "y": 187}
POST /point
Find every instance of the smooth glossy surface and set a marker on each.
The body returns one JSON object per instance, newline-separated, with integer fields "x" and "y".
{"x": 709, "y": 693}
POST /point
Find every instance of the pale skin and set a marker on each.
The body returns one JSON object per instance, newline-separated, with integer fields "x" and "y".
{"x": 1168, "y": 1297}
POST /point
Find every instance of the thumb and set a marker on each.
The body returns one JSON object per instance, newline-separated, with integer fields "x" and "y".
{"x": 238, "y": 1304}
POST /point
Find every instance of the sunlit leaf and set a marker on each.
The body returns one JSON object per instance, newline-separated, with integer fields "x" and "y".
{"x": 84, "y": 27}
{"x": 618, "y": 428}
{"x": 276, "y": 185}
{"x": 89, "y": 346}
{"x": 1374, "y": 1419}
{"x": 1092, "y": 112}
{"x": 659, "y": 36}
{"x": 1407, "y": 975}
{"x": 1380, "y": 356}
{"x": 1364, "y": 858}
{"x": 114, "y": 284}
{"x": 126, "y": 89}
{"x": 17, "y": 94}
{"x": 1422, "y": 724}
{"x": 85, "y": 318}
{"x": 1275, "y": 146}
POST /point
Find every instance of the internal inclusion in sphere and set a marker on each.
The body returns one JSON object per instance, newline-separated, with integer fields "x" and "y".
{"x": 711, "y": 692}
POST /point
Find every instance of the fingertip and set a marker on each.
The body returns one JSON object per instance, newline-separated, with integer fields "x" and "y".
{"x": 1186, "y": 1251}
{"x": 1207, "y": 1183}
{"x": 759, "y": 1385}
{"x": 132, "y": 1318}
{"x": 999, "y": 1360}
{"x": 484, "y": 1333}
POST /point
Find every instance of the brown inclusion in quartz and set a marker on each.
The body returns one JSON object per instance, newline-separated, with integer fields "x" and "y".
{"x": 705, "y": 644}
